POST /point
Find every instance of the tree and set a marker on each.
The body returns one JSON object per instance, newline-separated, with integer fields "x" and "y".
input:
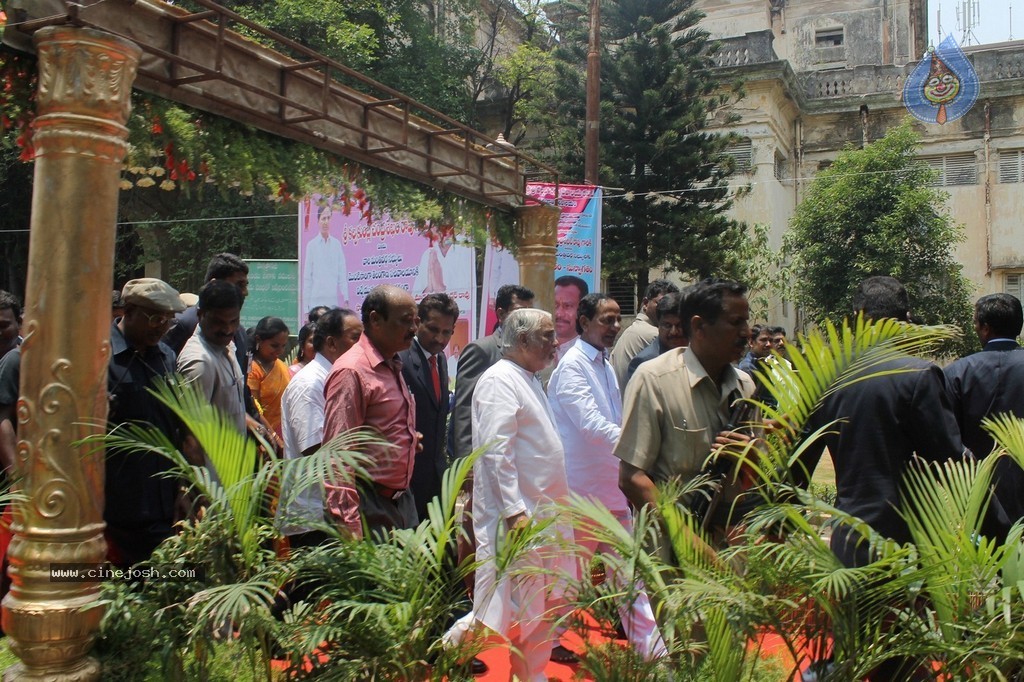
{"x": 658, "y": 92}
{"x": 874, "y": 211}
{"x": 424, "y": 50}
{"x": 515, "y": 67}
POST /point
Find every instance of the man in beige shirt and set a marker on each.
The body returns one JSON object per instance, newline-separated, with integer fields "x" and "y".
{"x": 677, "y": 403}
{"x": 644, "y": 329}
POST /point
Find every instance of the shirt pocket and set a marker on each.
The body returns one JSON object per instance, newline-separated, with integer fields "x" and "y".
{"x": 685, "y": 449}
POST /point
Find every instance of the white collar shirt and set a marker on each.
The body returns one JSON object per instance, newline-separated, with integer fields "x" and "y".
{"x": 302, "y": 427}
{"x": 586, "y": 402}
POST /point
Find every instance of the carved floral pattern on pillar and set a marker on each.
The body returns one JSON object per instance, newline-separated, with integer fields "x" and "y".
{"x": 83, "y": 99}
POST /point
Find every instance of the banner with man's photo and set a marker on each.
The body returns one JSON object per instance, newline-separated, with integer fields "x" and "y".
{"x": 579, "y": 245}
{"x": 344, "y": 252}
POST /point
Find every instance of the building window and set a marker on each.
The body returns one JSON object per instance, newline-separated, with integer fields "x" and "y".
{"x": 1011, "y": 165}
{"x": 829, "y": 37}
{"x": 953, "y": 169}
{"x": 623, "y": 290}
{"x": 1014, "y": 284}
{"x": 742, "y": 153}
{"x": 780, "y": 166}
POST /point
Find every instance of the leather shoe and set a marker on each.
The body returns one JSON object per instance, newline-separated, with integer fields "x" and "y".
{"x": 559, "y": 654}
{"x": 477, "y": 667}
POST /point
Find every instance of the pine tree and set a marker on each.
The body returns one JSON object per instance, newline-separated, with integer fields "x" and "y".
{"x": 658, "y": 92}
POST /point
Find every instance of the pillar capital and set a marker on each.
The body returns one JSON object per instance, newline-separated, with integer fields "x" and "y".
{"x": 536, "y": 230}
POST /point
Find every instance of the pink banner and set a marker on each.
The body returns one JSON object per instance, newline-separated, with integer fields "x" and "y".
{"x": 343, "y": 254}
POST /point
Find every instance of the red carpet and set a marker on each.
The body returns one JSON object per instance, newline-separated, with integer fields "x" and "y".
{"x": 496, "y": 655}
{"x": 497, "y": 659}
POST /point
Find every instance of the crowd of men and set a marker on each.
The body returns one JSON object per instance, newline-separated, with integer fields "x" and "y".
{"x": 557, "y": 403}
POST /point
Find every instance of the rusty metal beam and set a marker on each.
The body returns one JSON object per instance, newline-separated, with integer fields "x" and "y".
{"x": 282, "y": 87}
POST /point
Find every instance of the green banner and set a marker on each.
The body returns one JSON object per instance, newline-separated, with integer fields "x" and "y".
{"x": 274, "y": 291}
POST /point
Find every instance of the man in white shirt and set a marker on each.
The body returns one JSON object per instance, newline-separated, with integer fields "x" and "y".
{"x": 519, "y": 477}
{"x": 208, "y": 357}
{"x": 302, "y": 423}
{"x": 324, "y": 274}
{"x": 587, "y": 406}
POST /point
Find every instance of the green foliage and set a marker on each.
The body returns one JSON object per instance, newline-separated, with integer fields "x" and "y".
{"x": 658, "y": 91}
{"x": 764, "y": 271}
{"x": 517, "y": 72}
{"x": 376, "y": 609}
{"x": 951, "y": 598}
{"x": 424, "y": 51}
{"x": 873, "y": 212}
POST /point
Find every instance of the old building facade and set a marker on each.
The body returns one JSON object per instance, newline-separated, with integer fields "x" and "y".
{"x": 825, "y": 74}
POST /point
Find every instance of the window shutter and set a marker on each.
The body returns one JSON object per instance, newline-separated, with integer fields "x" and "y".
{"x": 743, "y": 153}
{"x": 623, "y": 290}
{"x": 953, "y": 169}
{"x": 1013, "y": 285}
{"x": 1010, "y": 161}
{"x": 961, "y": 169}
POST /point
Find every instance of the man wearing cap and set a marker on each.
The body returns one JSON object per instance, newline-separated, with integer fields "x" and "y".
{"x": 140, "y": 499}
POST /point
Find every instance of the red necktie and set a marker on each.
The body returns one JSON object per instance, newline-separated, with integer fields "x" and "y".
{"x": 435, "y": 376}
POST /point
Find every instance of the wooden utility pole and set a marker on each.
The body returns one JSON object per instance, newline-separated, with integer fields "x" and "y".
{"x": 593, "y": 128}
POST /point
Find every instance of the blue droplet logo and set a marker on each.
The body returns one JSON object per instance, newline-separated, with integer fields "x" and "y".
{"x": 944, "y": 85}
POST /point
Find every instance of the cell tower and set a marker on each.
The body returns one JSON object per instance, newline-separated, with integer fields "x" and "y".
{"x": 968, "y": 16}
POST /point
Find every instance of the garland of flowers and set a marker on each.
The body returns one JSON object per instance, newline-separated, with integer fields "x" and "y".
{"x": 18, "y": 76}
{"x": 176, "y": 148}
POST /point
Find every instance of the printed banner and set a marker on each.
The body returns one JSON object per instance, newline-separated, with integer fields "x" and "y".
{"x": 344, "y": 254}
{"x": 273, "y": 290}
{"x": 579, "y": 245}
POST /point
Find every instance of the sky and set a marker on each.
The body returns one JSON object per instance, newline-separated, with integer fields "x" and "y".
{"x": 994, "y": 26}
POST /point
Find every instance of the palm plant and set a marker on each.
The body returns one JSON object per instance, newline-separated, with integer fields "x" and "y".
{"x": 955, "y": 595}
{"x": 386, "y": 604}
{"x": 384, "y": 601}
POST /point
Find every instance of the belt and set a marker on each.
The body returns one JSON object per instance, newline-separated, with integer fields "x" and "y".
{"x": 389, "y": 493}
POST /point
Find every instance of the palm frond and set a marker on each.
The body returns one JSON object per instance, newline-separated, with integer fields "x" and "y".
{"x": 1008, "y": 432}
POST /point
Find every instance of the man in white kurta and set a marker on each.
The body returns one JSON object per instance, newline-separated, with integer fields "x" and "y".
{"x": 585, "y": 400}
{"x": 324, "y": 274}
{"x": 521, "y": 476}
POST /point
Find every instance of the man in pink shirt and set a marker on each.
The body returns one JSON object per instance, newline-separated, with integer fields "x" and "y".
{"x": 365, "y": 388}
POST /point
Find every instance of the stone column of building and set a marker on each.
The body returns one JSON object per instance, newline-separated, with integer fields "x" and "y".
{"x": 537, "y": 234}
{"x": 83, "y": 101}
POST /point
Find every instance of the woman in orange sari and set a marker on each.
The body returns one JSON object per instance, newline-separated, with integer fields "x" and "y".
{"x": 268, "y": 375}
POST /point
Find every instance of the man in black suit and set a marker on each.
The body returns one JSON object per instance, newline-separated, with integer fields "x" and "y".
{"x": 988, "y": 383}
{"x": 425, "y": 369}
{"x": 879, "y": 425}
{"x": 888, "y": 420}
{"x": 476, "y": 358}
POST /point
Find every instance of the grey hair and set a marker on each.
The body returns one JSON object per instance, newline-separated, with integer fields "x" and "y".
{"x": 519, "y": 326}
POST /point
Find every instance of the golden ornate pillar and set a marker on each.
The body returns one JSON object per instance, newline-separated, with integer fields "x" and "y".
{"x": 83, "y": 100}
{"x": 537, "y": 234}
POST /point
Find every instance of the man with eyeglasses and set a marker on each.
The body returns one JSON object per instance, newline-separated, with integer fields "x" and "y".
{"x": 671, "y": 333}
{"x": 140, "y": 498}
